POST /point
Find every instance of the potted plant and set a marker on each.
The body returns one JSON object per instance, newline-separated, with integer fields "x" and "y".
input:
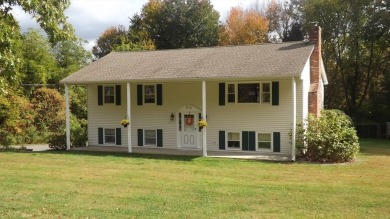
{"x": 125, "y": 122}
{"x": 202, "y": 123}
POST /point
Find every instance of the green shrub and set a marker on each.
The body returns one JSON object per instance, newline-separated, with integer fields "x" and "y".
{"x": 57, "y": 141}
{"x": 78, "y": 135}
{"x": 78, "y": 131}
{"x": 49, "y": 106}
{"x": 16, "y": 119}
{"x": 330, "y": 138}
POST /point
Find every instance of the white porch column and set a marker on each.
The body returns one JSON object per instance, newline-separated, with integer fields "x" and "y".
{"x": 67, "y": 115}
{"x": 204, "y": 131}
{"x": 129, "y": 118}
{"x": 294, "y": 115}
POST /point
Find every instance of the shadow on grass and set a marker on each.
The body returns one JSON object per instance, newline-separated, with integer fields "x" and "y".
{"x": 375, "y": 147}
{"x": 181, "y": 158}
{"x": 121, "y": 154}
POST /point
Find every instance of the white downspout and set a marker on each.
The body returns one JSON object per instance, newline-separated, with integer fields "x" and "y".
{"x": 294, "y": 115}
{"x": 129, "y": 118}
{"x": 204, "y": 118}
{"x": 67, "y": 115}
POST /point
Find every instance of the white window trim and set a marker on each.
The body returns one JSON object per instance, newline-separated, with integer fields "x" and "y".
{"x": 155, "y": 94}
{"x": 235, "y": 93}
{"x": 257, "y": 142}
{"x": 104, "y": 94}
{"x": 261, "y": 92}
{"x": 104, "y": 136}
{"x": 227, "y": 141}
{"x": 150, "y": 145}
{"x": 247, "y": 82}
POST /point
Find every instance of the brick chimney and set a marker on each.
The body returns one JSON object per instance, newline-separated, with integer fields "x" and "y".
{"x": 316, "y": 86}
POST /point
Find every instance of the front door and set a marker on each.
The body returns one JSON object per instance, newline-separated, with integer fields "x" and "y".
{"x": 189, "y": 132}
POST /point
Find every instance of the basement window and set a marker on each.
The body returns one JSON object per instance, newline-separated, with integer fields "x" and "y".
{"x": 233, "y": 140}
{"x": 109, "y": 136}
{"x": 150, "y": 137}
{"x": 263, "y": 141}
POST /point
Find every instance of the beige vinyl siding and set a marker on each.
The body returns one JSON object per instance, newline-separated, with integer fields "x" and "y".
{"x": 263, "y": 118}
{"x": 305, "y": 85}
{"x": 146, "y": 116}
{"x": 300, "y": 97}
{"x": 105, "y": 116}
{"x": 151, "y": 116}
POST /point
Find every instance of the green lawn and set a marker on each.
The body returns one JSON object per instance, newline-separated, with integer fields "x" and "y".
{"x": 104, "y": 185}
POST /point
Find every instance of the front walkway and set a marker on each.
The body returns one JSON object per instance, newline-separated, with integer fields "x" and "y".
{"x": 188, "y": 152}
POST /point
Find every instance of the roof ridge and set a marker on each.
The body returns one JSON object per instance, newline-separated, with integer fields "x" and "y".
{"x": 216, "y": 47}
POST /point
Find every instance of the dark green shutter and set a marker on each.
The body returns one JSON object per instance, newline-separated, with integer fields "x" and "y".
{"x": 222, "y": 140}
{"x": 159, "y": 94}
{"x": 275, "y": 93}
{"x": 200, "y": 117}
{"x": 222, "y": 95}
{"x": 118, "y": 135}
{"x": 100, "y": 95}
{"x": 139, "y": 94}
{"x": 252, "y": 141}
{"x": 245, "y": 140}
{"x": 179, "y": 120}
{"x": 140, "y": 135}
{"x": 118, "y": 95}
{"x": 100, "y": 135}
{"x": 276, "y": 139}
{"x": 159, "y": 137}
{"x": 248, "y": 141}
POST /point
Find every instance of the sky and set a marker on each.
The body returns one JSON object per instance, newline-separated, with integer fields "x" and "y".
{"x": 91, "y": 17}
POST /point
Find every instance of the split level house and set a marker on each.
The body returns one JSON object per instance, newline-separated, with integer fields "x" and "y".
{"x": 251, "y": 96}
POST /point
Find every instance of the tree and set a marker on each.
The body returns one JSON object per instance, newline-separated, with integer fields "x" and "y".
{"x": 38, "y": 64}
{"x": 109, "y": 40}
{"x": 140, "y": 24}
{"x": 176, "y": 24}
{"x": 285, "y": 18}
{"x": 244, "y": 27}
{"x": 355, "y": 49}
{"x": 49, "y": 15}
{"x": 274, "y": 15}
{"x": 293, "y": 21}
{"x": 9, "y": 49}
{"x": 70, "y": 56}
{"x": 49, "y": 105}
{"x": 16, "y": 120}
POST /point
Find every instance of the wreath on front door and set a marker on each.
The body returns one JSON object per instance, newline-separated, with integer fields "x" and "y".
{"x": 189, "y": 120}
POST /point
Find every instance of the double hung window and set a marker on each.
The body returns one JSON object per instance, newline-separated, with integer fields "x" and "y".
{"x": 109, "y": 136}
{"x": 109, "y": 94}
{"x": 150, "y": 137}
{"x": 263, "y": 141}
{"x": 149, "y": 94}
{"x": 233, "y": 140}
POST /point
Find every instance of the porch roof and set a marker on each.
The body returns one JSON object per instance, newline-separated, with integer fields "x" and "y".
{"x": 274, "y": 60}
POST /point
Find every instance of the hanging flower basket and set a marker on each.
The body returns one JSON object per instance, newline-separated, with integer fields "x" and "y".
{"x": 125, "y": 122}
{"x": 202, "y": 123}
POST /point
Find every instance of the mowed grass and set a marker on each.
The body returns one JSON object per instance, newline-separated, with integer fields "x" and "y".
{"x": 104, "y": 185}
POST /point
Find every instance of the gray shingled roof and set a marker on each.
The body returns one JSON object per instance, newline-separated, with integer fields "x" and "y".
{"x": 267, "y": 60}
